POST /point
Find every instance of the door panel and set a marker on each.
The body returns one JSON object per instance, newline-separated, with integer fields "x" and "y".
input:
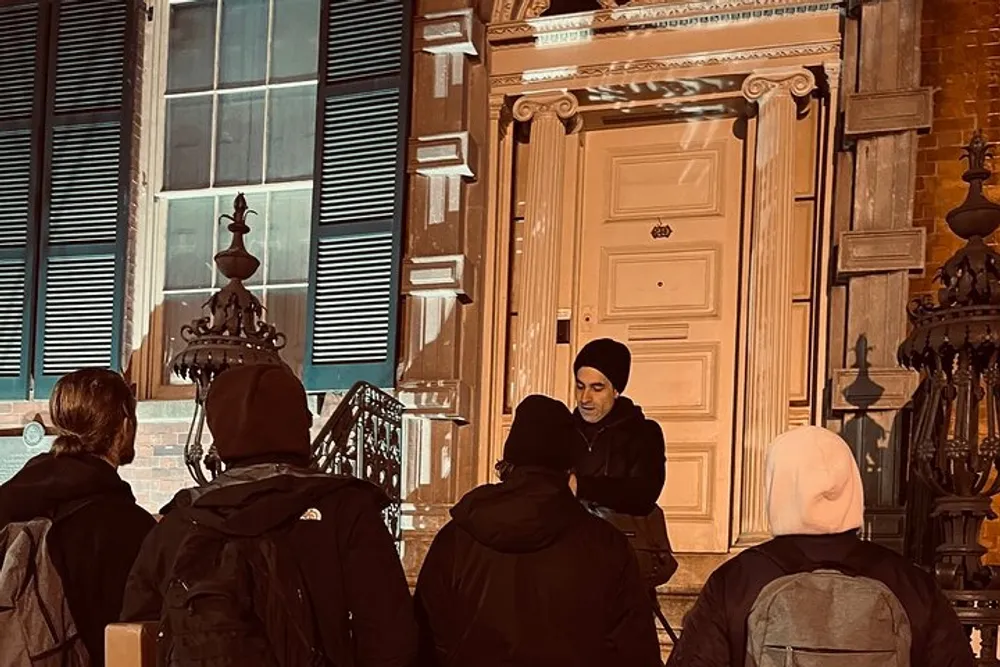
{"x": 672, "y": 297}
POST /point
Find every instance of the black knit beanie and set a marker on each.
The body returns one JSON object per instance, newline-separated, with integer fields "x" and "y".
{"x": 610, "y": 358}
{"x": 543, "y": 434}
{"x": 258, "y": 411}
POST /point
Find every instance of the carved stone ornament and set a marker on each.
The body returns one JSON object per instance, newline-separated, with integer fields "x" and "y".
{"x": 564, "y": 105}
{"x": 510, "y": 18}
{"x": 534, "y": 8}
{"x": 657, "y": 70}
{"x": 797, "y": 82}
{"x": 518, "y": 10}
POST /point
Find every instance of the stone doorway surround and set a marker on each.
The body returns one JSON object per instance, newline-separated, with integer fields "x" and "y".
{"x": 477, "y": 69}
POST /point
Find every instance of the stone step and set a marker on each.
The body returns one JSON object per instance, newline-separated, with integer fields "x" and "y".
{"x": 678, "y": 596}
{"x": 675, "y": 604}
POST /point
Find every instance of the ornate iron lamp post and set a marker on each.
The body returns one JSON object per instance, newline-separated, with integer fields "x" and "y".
{"x": 955, "y": 343}
{"x": 233, "y": 333}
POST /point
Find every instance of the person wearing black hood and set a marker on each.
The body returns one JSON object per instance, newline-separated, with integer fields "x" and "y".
{"x": 524, "y": 576}
{"x": 333, "y": 571}
{"x": 98, "y": 528}
{"x": 623, "y": 467}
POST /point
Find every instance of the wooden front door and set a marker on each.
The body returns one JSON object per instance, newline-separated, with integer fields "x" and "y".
{"x": 658, "y": 269}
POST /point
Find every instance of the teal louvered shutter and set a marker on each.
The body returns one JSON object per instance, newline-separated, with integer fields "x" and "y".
{"x": 359, "y": 204}
{"x": 85, "y": 192}
{"x": 22, "y": 43}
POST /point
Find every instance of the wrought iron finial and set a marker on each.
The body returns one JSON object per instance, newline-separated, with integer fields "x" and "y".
{"x": 233, "y": 333}
{"x": 235, "y": 262}
{"x": 970, "y": 277}
{"x": 955, "y": 447}
{"x": 977, "y": 216}
{"x": 976, "y": 153}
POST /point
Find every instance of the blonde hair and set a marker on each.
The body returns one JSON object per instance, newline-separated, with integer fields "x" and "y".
{"x": 90, "y": 409}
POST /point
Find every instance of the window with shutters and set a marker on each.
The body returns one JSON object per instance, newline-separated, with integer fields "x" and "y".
{"x": 358, "y": 201}
{"x": 66, "y": 69}
{"x": 239, "y": 91}
{"x": 239, "y": 108}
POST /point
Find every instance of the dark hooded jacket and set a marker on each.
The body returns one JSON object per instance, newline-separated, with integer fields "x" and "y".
{"x": 347, "y": 557}
{"x": 524, "y": 576}
{"x": 94, "y": 548}
{"x": 715, "y": 629}
{"x": 624, "y": 466}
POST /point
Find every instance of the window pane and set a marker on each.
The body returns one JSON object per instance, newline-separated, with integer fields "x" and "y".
{"x": 292, "y": 126}
{"x": 189, "y": 147}
{"x": 295, "y": 35}
{"x": 254, "y": 241}
{"x": 243, "y": 43}
{"x": 191, "y": 56}
{"x": 288, "y": 238}
{"x": 190, "y": 223}
{"x": 178, "y": 310}
{"x": 239, "y": 157}
{"x": 286, "y": 309}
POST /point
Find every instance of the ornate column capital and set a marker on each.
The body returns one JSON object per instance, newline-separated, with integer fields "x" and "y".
{"x": 832, "y": 70}
{"x": 795, "y": 82}
{"x": 563, "y": 105}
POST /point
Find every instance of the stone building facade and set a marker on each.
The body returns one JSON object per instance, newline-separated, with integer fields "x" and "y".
{"x": 746, "y": 191}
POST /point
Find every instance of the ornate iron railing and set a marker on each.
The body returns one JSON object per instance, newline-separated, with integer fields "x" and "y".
{"x": 363, "y": 438}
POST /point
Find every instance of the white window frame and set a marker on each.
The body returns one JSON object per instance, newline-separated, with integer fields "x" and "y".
{"x": 151, "y": 235}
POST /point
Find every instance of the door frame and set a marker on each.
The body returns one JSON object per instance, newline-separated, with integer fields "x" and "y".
{"x": 517, "y": 70}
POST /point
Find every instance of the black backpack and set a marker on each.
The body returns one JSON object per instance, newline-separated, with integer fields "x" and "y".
{"x": 237, "y": 601}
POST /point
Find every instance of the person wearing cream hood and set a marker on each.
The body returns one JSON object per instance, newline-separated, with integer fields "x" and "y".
{"x": 817, "y": 589}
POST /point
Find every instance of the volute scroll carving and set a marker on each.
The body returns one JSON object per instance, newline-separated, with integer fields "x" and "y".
{"x": 564, "y": 105}
{"x": 797, "y": 82}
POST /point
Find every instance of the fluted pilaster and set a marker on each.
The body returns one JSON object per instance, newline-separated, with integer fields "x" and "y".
{"x": 536, "y": 322}
{"x": 769, "y": 332}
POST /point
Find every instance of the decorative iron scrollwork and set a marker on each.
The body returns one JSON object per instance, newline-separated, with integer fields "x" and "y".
{"x": 955, "y": 344}
{"x": 363, "y": 438}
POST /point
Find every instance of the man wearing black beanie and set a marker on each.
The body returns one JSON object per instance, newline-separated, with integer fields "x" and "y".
{"x": 524, "y": 574}
{"x": 621, "y": 474}
{"x": 623, "y": 468}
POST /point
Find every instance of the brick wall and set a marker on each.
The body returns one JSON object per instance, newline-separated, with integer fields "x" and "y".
{"x": 960, "y": 49}
{"x": 135, "y": 183}
{"x": 158, "y": 470}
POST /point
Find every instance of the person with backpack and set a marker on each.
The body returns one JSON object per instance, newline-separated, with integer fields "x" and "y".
{"x": 817, "y": 594}
{"x": 273, "y": 563}
{"x": 524, "y": 575}
{"x": 70, "y": 528}
{"x": 621, "y": 473}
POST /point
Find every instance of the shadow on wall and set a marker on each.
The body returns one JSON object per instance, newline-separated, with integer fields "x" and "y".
{"x": 878, "y": 438}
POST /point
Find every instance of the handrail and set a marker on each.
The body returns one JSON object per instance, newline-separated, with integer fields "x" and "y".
{"x": 363, "y": 438}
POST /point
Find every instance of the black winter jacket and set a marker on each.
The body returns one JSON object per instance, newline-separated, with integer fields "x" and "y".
{"x": 524, "y": 576}
{"x": 624, "y": 467}
{"x": 348, "y": 560}
{"x": 94, "y": 548}
{"x": 715, "y": 629}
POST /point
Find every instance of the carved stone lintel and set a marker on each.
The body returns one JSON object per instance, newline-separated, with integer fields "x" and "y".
{"x": 796, "y": 82}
